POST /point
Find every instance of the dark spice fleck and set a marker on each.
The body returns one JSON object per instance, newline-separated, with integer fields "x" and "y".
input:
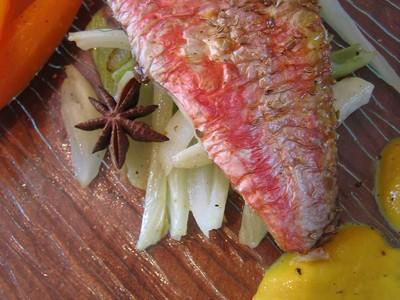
{"x": 383, "y": 253}
{"x": 339, "y": 292}
{"x": 118, "y": 120}
{"x": 270, "y": 23}
{"x": 358, "y": 184}
{"x": 140, "y": 75}
{"x": 268, "y": 91}
{"x": 199, "y": 133}
{"x": 299, "y": 271}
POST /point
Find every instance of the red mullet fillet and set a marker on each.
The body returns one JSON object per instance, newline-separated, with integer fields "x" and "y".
{"x": 254, "y": 78}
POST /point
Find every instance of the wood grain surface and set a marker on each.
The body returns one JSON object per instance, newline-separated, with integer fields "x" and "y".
{"x": 61, "y": 241}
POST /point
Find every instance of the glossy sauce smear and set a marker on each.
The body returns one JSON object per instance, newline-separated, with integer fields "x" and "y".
{"x": 388, "y": 183}
{"x": 361, "y": 265}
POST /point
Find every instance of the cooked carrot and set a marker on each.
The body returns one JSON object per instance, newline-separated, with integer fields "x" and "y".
{"x": 29, "y": 39}
{"x": 4, "y": 12}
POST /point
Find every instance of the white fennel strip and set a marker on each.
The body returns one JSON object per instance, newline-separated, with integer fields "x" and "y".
{"x": 192, "y": 157}
{"x": 100, "y": 38}
{"x": 252, "y": 228}
{"x": 350, "y": 94}
{"x": 155, "y": 215}
{"x": 137, "y": 162}
{"x": 199, "y": 188}
{"x": 178, "y": 203}
{"x": 76, "y": 108}
{"x": 218, "y": 197}
{"x": 180, "y": 132}
{"x": 126, "y": 78}
{"x": 334, "y": 14}
{"x": 208, "y": 191}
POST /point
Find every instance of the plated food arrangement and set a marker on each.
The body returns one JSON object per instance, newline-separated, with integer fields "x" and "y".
{"x": 228, "y": 105}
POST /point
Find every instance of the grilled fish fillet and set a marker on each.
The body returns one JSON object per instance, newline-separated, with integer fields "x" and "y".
{"x": 254, "y": 78}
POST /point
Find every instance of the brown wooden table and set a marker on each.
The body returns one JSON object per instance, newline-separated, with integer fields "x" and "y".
{"x": 61, "y": 241}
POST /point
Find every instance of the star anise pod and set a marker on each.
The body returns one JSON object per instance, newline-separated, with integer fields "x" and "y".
{"x": 118, "y": 120}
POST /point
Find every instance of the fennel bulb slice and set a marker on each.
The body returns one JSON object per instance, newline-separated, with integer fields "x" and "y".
{"x": 199, "y": 188}
{"x": 208, "y": 190}
{"x": 138, "y": 158}
{"x": 218, "y": 197}
{"x": 349, "y": 95}
{"x": 178, "y": 203}
{"x": 155, "y": 215}
{"x": 334, "y": 14}
{"x": 192, "y": 157}
{"x": 126, "y": 78}
{"x": 76, "y": 108}
{"x": 100, "y": 38}
{"x": 252, "y": 228}
{"x": 180, "y": 132}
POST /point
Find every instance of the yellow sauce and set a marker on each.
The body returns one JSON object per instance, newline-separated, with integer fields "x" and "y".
{"x": 388, "y": 183}
{"x": 361, "y": 266}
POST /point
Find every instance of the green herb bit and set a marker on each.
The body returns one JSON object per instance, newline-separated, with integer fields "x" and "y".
{"x": 109, "y": 61}
{"x": 350, "y": 59}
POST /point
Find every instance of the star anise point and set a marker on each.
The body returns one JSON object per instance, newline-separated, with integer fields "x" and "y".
{"x": 118, "y": 121}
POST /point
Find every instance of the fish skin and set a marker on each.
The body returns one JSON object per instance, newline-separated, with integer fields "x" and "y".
{"x": 254, "y": 78}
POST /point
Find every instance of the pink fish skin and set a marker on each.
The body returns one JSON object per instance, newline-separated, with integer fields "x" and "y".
{"x": 254, "y": 78}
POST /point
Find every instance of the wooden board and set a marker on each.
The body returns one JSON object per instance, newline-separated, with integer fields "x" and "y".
{"x": 61, "y": 241}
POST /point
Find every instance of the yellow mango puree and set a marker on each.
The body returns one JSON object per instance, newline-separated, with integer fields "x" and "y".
{"x": 361, "y": 266}
{"x": 387, "y": 185}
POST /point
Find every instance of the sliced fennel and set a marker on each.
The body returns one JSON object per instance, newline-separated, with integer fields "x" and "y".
{"x": 208, "y": 190}
{"x": 178, "y": 203}
{"x": 118, "y": 58}
{"x": 334, "y": 14}
{"x": 199, "y": 188}
{"x": 180, "y": 132}
{"x": 155, "y": 215}
{"x": 218, "y": 198}
{"x": 350, "y": 94}
{"x": 100, "y": 38}
{"x": 137, "y": 162}
{"x": 349, "y": 60}
{"x": 252, "y": 228}
{"x": 119, "y": 73}
{"x": 126, "y": 78}
{"x": 76, "y": 108}
{"x": 193, "y": 157}
{"x": 102, "y": 56}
